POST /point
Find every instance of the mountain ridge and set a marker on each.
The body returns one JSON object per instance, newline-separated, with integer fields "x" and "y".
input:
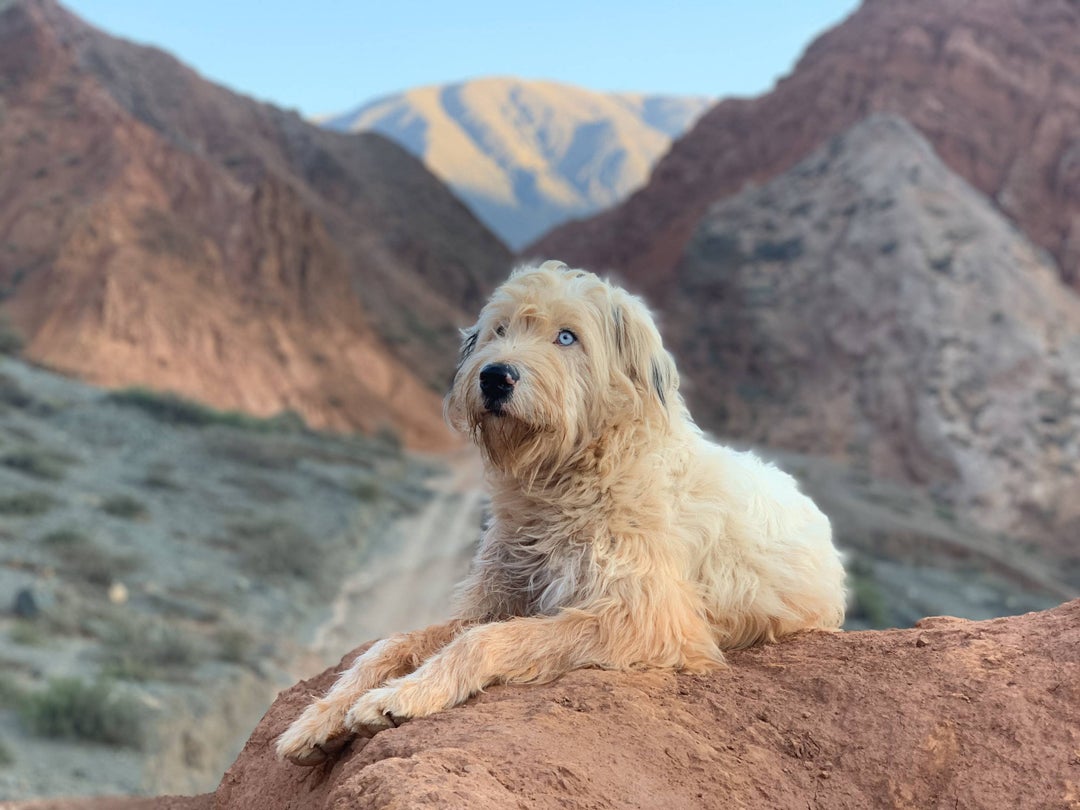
{"x": 991, "y": 84}
{"x": 871, "y": 306}
{"x": 160, "y": 230}
{"x": 526, "y": 154}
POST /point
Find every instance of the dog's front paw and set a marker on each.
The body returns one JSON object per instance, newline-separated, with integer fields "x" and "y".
{"x": 314, "y": 736}
{"x": 389, "y": 705}
{"x": 376, "y": 710}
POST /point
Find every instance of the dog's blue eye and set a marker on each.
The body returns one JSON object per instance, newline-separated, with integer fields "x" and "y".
{"x": 566, "y": 338}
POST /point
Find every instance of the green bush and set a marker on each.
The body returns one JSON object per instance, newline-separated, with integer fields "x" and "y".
{"x": 278, "y": 550}
{"x": 11, "y": 342}
{"x": 13, "y": 394}
{"x": 37, "y": 464}
{"x": 124, "y": 506}
{"x": 28, "y": 633}
{"x": 11, "y": 694}
{"x": 234, "y": 645}
{"x": 64, "y": 539}
{"x": 159, "y": 479}
{"x": 368, "y": 489}
{"x": 26, "y": 504}
{"x": 140, "y": 650}
{"x": 176, "y": 410}
{"x": 70, "y": 708}
{"x": 94, "y": 565}
{"x": 868, "y": 602}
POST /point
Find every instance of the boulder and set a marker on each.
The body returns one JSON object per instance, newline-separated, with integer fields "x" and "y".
{"x": 951, "y": 713}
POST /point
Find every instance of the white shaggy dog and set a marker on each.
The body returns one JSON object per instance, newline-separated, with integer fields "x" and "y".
{"x": 620, "y": 536}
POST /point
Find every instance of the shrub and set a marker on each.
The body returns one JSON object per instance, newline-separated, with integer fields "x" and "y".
{"x": 234, "y": 645}
{"x": 27, "y": 633}
{"x": 11, "y": 342}
{"x": 13, "y": 394}
{"x": 366, "y": 489}
{"x": 124, "y": 506}
{"x": 26, "y": 504}
{"x": 11, "y": 694}
{"x": 140, "y": 651}
{"x": 176, "y": 410}
{"x": 159, "y": 479}
{"x": 784, "y": 251}
{"x": 38, "y": 464}
{"x": 278, "y": 550}
{"x": 870, "y": 603}
{"x": 70, "y": 708}
{"x": 64, "y": 539}
{"x": 94, "y": 565}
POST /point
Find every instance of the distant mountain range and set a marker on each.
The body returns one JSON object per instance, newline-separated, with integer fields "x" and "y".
{"x": 528, "y": 155}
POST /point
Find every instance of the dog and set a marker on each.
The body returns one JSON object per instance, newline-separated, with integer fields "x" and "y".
{"x": 620, "y": 536}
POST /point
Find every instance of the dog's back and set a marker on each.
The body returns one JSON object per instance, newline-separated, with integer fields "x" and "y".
{"x": 768, "y": 566}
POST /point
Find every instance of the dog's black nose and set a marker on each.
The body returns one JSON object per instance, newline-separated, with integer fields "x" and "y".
{"x": 497, "y": 382}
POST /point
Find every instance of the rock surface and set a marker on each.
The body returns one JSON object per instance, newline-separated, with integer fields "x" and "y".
{"x": 949, "y": 714}
{"x": 870, "y": 306}
{"x": 994, "y": 85}
{"x": 157, "y": 229}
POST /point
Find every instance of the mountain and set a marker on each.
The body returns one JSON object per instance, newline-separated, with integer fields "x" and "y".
{"x": 871, "y": 306}
{"x": 992, "y": 84}
{"x": 529, "y": 155}
{"x": 157, "y": 229}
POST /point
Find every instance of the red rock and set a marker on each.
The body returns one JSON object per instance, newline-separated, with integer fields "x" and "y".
{"x": 869, "y": 306}
{"x": 985, "y": 715}
{"x": 994, "y": 85}
{"x": 157, "y": 229}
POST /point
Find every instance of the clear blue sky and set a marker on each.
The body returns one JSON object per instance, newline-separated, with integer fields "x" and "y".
{"x": 323, "y": 56}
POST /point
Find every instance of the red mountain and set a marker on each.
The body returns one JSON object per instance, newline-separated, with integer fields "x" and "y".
{"x": 158, "y": 229}
{"x": 994, "y": 85}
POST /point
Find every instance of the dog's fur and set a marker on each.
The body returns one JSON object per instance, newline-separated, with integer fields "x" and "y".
{"x": 620, "y": 537}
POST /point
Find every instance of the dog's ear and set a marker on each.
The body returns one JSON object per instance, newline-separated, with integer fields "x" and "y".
{"x": 453, "y": 404}
{"x": 555, "y": 265}
{"x": 468, "y": 345}
{"x": 641, "y": 351}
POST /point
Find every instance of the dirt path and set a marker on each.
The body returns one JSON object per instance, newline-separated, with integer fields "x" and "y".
{"x": 409, "y": 580}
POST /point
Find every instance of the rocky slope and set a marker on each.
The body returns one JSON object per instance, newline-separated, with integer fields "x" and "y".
{"x": 949, "y": 714}
{"x": 870, "y": 306}
{"x": 529, "y": 155}
{"x": 992, "y": 84}
{"x": 175, "y": 562}
{"x": 156, "y": 228}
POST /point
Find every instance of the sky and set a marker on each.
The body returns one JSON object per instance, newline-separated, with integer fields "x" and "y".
{"x": 330, "y": 56}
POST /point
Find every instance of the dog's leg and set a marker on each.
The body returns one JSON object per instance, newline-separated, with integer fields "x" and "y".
{"x": 522, "y": 650}
{"x": 320, "y": 731}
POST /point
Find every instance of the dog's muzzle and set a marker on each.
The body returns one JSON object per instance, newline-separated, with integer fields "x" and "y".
{"x": 497, "y": 381}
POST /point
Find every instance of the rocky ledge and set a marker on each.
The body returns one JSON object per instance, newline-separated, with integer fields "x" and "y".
{"x": 951, "y": 713}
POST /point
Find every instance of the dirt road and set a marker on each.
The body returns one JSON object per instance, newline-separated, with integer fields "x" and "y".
{"x": 408, "y": 581}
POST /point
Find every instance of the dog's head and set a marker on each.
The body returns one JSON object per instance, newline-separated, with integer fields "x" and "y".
{"x": 558, "y": 359}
